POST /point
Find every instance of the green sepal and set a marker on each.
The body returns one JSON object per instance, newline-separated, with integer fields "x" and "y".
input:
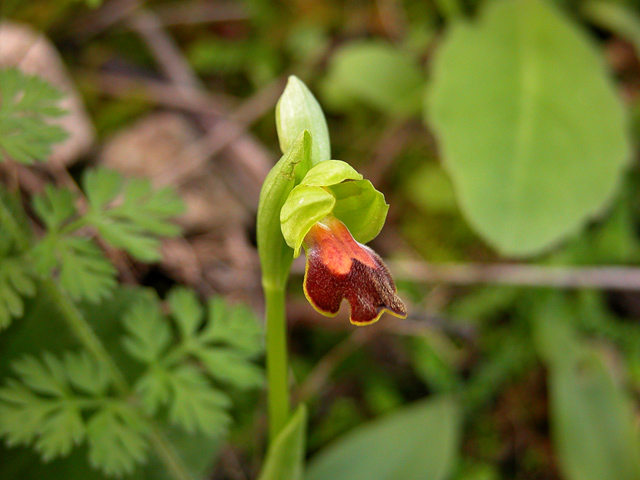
{"x": 333, "y": 188}
{"x": 298, "y": 110}
{"x": 305, "y": 206}
{"x": 329, "y": 173}
{"x": 361, "y": 208}
{"x": 275, "y": 254}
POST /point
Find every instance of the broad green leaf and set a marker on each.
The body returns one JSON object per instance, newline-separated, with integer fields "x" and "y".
{"x": 298, "y": 110}
{"x": 376, "y": 73}
{"x": 419, "y": 442}
{"x": 285, "y": 459}
{"x": 275, "y": 255}
{"x": 592, "y": 418}
{"x": 530, "y": 126}
{"x": 593, "y": 423}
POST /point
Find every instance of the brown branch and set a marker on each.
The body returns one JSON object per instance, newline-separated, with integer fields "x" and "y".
{"x": 199, "y": 12}
{"x": 606, "y": 277}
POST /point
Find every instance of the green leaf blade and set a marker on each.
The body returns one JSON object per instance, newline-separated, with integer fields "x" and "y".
{"x": 187, "y": 311}
{"x": 375, "y": 73}
{"x": 530, "y": 127}
{"x": 230, "y": 367}
{"x": 592, "y": 417}
{"x": 148, "y": 332}
{"x": 235, "y": 326}
{"x": 82, "y": 268}
{"x": 116, "y": 441}
{"x": 130, "y": 214}
{"x": 417, "y": 443}
{"x": 285, "y": 459}
{"x": 195, "y": 405}
{"x": 26, "y": 107}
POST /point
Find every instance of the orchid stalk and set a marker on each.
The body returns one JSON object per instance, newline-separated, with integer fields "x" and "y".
{"x": 325, "y": 207}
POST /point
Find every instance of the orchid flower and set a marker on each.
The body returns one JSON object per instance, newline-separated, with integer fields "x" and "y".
{"x": 339, "y": 267}
{"x": 324, "y": 206}
{"x": 327, "y": 208}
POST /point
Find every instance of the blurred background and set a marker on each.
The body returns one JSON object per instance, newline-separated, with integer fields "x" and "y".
{"x": 183, "y": 92}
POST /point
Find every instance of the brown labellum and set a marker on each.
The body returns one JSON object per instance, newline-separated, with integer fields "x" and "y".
{"x": 339, "y": 267}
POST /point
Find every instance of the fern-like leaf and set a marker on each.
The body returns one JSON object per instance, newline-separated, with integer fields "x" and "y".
{"x": 195, "y": 405}
{"x": 26, "y": 103}
{"x": 55, "y": 206}
{"x": 184, "y": 367}
{"x": 231, "y": 367}
{"x": 116, "y": 438}
{"x": 15, "y": 283}
{"x": 130, "y": 215}
{"x": 186, "y": 310}
{"x": 78, "y": 263}
{"x": 58, "y": 403}
{"x": 235, "y": 326}
{"x": 148, "y": 332}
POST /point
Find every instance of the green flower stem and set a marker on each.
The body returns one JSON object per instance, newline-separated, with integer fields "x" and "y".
{"x": 277, "y": 366}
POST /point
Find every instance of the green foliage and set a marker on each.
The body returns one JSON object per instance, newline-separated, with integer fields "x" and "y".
{"x": 130, "y": 215}
{"x": 183, "y": 372}
{"x": 45, "y": 405}
{"x": 15, "y": 283}
{"x": 616, "y": 17}
{"x": 56, "y": 403}
{"x": 26, "y": 102}
{"x": 592, "y": 417}
{"x": 402, "y": 445}
{"x": 285, "y": 459}
{"x": 126, "y": 213}
{"x": 508, "y": 96}
{"x": 375, "y": 73}
{"x": 82, "y": 268}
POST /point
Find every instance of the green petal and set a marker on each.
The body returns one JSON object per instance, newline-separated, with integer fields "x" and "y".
{"x": 329, "y": 173}
{"x": 361, "y": 208}
{"x": 305, "y": 206}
